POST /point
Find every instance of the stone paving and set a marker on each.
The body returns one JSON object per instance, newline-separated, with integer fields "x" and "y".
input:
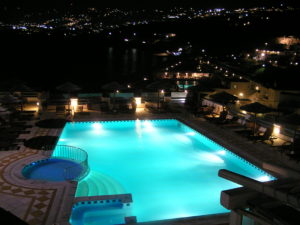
{"x": 36, "y": 202}
{"x": 30, "y": 204}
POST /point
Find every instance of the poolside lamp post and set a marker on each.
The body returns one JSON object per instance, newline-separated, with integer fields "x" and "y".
{"x": 74, "y": 104}
{"x": 276, "y": 129}
{"x": 158, "y": 97}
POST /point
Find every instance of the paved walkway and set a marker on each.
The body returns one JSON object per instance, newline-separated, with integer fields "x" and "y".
{"x": 36, "y": 202}
{"x": 30, "y": 204}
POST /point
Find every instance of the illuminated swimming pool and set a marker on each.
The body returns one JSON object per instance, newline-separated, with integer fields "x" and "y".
{"x": 170, "y": 169}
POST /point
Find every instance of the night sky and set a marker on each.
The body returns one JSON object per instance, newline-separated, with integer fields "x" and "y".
{"x": 65, "y": 4}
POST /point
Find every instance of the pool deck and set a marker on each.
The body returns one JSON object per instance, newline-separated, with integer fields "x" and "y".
{"x": 47, "y": 203}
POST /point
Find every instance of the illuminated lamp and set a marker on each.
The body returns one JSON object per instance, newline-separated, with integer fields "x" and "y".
{"x": 276, "y": 129}
{"x": 74, "y": 103}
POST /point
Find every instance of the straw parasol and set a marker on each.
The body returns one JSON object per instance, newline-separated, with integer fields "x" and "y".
{"x": 196, "y": 94}
{"x": 4, "y": 111}
{"x": 224, "y": 98}
{"x": 113, "y": 86}
{"x": 256, "y": 108}
{"x": 21, "y": 87}
{"x": 10, "y": 100}
{"x": 68, "y": 87}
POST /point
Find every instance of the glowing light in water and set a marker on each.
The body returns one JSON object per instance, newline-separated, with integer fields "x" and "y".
{"x": 97, "y": 128}
{"x": 209, "y": 157}
{"x": 148, "y": 126}
{"x": 221, "y": 152}
{"x": 182, "y": 138}
{"x": 191, "y": 133}
{"x": 263, "y": 178}
{"x": 138, "y": 128}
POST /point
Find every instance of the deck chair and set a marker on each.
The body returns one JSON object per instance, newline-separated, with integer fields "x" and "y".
{"x": 266, "y": 136}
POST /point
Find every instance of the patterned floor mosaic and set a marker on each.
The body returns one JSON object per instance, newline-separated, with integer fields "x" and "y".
{"x": 37, "y": 209}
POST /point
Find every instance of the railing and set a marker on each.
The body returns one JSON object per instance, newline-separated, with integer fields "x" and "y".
{"x": 75, "y": 154}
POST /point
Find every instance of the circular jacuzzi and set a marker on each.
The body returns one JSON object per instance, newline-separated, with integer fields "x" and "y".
{"x": 53, "y": 169}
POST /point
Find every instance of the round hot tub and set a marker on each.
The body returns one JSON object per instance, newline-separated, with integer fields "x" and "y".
{"x": 53, "y": 169}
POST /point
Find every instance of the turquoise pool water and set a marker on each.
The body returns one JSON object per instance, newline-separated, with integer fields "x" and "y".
{"x": 170, "y": 169}
{"x": 51, "y": 170}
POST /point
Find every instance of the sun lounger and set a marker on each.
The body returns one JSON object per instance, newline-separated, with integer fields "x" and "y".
{"x": 240, "y": 123}
{"x": 266, "y": 136}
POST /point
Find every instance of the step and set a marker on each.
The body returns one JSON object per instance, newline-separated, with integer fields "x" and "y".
{"x": 83, "y": 189}
{"x": 99, "y": 184}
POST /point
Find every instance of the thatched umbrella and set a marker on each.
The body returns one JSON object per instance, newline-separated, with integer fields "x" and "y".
{"x": 68, "y": 87}
{"x": 10, "y": 100}
{"x": 21, "y": 87}
{"x": 196, "y": 94}
{"x": 160, "y": 85}
{"x": 256, "y": 108}
{"x": 224, "y": 98}
{"x": 4, "y": 110}
{"x": 114, "y": 87}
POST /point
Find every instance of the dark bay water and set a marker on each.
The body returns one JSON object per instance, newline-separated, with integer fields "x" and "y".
{"x": 88, "y": 60}
{"x": 50, "y": 63}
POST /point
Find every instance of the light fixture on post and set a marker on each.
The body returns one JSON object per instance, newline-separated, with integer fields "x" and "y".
{"x": 74, "y": 104}
{"x": 276, "y": 129}
{"x": 138, "y": 101}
